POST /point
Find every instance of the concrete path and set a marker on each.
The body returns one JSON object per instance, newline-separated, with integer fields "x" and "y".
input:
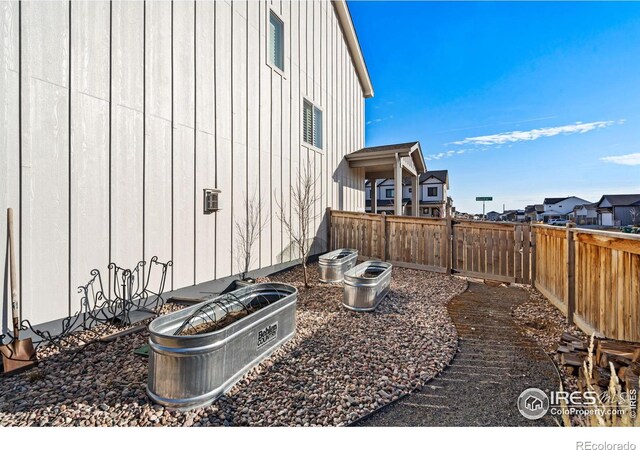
{"x": 494, "y": 364}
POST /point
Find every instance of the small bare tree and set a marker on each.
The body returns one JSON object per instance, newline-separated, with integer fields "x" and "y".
{"x": 303, "y": 201}
{"x": 635, "y": 215}
{"x": 248, "y": 230}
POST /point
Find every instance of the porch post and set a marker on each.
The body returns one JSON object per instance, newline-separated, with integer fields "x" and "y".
{"x": 415, "y": 196}
{"x": 397, "y": 181}
{"x": 374, "y": 196}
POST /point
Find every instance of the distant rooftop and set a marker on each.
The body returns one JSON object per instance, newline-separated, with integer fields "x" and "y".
{"x": 621, "y": 199}
{"x": 407, "y": 146}
{"x": 442, "y": 175}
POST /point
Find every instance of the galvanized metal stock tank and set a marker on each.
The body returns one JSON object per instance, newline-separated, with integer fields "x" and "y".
{"x": 366, "y": 285}
{"x": 334, "y": 264}
{"x": 191, "y": 371}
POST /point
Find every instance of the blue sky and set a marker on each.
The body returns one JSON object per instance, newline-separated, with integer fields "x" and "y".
{"x": 519, "y": 101}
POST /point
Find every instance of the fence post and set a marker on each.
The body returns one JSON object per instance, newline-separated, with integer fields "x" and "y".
{"x": 571, "y": 273}
{"x": 328, "y": 228}
{"x": 383, "y": 236}
{"x": 533, "y": 256}
{"x": 449, "y": 246}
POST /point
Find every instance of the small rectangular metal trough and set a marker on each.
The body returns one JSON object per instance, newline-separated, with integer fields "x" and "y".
{"x": 189, "y": 370}
{"x": 366, "y": 285}
{"x": 334, "y": 264}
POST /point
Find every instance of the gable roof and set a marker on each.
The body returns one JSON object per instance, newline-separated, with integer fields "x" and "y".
{"x": 553, "y": 200}
{"x": 351, "y": 38}
{"x": 411, "y": 149}
{"x": 621, "y": 200}
{"x": 442, "y": 175}
{"x": 534, "y": 208}
{"x": 589, "y": 206}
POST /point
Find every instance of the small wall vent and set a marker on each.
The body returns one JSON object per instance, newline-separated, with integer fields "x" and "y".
{"x": 211, "y": 200}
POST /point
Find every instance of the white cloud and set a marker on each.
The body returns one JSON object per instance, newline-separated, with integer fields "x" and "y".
{"x": 436, "y": 156}
{"x": 632, "y": 159}
{"x": 532, "y": 135}
{"x": 370, "y": 122}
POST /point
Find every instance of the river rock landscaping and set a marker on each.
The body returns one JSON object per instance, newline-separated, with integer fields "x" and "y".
{"x": 340, "y": 366}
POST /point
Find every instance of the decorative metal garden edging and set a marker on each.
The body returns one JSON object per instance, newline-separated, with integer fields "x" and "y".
{"x": 366, "y": 285}
{"x": 198, "y": 353}
{"x": 127, "y": 290}
{"x": 334, "y": 264}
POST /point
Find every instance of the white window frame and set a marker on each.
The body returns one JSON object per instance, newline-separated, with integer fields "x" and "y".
{"x": 314, "y": 106}
{"x": 285, "y": 43}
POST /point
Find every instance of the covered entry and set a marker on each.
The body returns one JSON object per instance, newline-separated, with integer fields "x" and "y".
{"x": 396, "y": 162}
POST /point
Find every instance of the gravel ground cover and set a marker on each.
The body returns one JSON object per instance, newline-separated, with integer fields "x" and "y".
{"x": 340, "y": 366}
{"x": 494, "y": 364}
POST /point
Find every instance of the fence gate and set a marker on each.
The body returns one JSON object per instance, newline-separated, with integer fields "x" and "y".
{"x": 493, "y": 251}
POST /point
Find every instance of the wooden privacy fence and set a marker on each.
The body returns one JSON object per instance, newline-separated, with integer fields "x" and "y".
{"x": 495, "y": 251}
{"x": 592, "y": 276}
{"x": 498, "y": 251}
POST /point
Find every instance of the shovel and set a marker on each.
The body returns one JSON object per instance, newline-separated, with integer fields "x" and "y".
{"x": 18, "y": 354}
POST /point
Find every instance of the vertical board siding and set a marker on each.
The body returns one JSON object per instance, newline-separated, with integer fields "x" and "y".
{"x": 285, "y": 161}
{"x": 183, "y": 143}
{"x": 158, "y": 112}
{"x": 127, "y": 133}
{"x": 90, "y": 24}
{"x": 129, "y": 110}
{"x": 264, "y": 127}
{"x": 237, "y": 182}
{"x": 224, "y": 222}
{"x": 45, "y": 160}
{"x": 205, "y": 161}
{"x": 253, "y": 117}
{"x": 9, "y": 141}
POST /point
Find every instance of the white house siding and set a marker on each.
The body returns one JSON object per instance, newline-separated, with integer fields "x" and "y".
{"x": 9, "y": 132}
{"x": 116, "y": 115}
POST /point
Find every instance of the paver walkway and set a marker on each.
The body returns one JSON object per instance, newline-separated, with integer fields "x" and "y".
{"x": 494, "y": 364}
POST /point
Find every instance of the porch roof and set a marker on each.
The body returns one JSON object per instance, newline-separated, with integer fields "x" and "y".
{"x": 379, "y": 161}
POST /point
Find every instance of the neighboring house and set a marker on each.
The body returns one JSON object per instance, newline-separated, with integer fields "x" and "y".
{"x": 385, "y": 196}
{"x": 513, "y": 215}
{"x": 585, "y": 214}
{"x": 433, "y": 189}
{"x": 463, "y": 215}
{"x": 560, "y": 207}
{"x": 493, "y": 216}
{"x": 533, "y": 213}
{"x": 434, "y": 199}
{"x": 117, "y": 116}
{"x": 619, "y": 210}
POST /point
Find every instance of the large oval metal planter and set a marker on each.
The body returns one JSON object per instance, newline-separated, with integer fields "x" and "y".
{"x": 365, "y": 293}
{"x": 191, "y": 371}
{"x": 333, "y": 265}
